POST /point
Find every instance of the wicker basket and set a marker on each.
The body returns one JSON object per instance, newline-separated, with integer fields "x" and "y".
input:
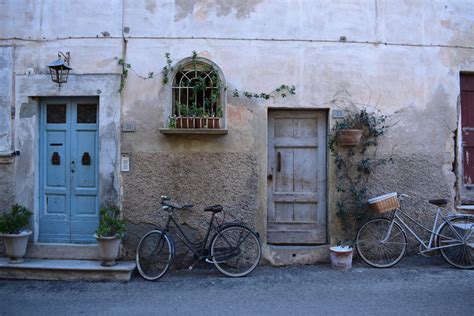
{"x": 385, "y": 203}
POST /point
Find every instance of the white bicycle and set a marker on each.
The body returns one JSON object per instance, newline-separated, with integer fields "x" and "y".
{"x": 382, "y": 242}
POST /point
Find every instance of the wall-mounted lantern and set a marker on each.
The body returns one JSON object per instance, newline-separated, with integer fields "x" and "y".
{"x": 59, "y": 69}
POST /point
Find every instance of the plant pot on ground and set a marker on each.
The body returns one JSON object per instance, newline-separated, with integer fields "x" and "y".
{"x": 109, "y": 235}
{"x": 341, "y": 257}
{"x": 11, "y": 229}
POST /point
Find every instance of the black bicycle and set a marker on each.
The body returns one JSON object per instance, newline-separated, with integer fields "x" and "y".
{"x": 234, "y": 248}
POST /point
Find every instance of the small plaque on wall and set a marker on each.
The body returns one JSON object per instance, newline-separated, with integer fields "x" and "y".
{"x": 337, "y": 114}
{"x": 128, "y": 127}
{"x": 125, "y": 163}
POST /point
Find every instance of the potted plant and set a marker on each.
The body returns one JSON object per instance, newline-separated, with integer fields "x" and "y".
{"x": 341, "y": 256}
{"x": 349, "y": 131}
{"x": 14, "y": 237}
{"x": 214, "y": 120}
{"x": 109, "y": 235}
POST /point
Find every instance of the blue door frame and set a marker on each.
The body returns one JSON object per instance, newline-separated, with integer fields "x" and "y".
{"x": 68, "y": 163}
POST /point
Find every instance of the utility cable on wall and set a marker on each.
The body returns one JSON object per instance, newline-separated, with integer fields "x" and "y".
{"x": 238, "y": 39}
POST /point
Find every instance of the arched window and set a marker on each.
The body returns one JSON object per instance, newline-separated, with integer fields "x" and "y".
{"x": 197, "y": 94}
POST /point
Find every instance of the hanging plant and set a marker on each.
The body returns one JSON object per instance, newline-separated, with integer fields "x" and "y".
{"x": 355, "y": 164}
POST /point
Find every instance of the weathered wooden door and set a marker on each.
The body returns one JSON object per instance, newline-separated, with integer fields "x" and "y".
{"x": 467, "y": 123}
{"x": 69, "y": 170}
{"x": 296, "y": 212}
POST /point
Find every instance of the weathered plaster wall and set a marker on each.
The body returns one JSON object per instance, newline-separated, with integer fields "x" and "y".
{"x": 404, "y": 57}
{"x": 7, "y": 167}
{"x": 203, "y": 179}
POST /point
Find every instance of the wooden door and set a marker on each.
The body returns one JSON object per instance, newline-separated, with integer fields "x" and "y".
{"x": 467, "y": 124}
{"x": 296, "y": 211}
{"x": 69, "y": 205}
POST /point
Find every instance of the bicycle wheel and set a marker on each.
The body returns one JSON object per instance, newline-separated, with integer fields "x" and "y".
{"x": 236, "y": 250}
{"x": 154, "y": 255}
{"x": 458, "y": 238}
{"x": 376, "y": 251}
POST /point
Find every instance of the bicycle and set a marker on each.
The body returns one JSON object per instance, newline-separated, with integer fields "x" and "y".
{"x": 382, "y": 242}
{"x": 234, "y": 248}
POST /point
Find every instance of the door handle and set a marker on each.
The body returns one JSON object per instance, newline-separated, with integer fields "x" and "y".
{"x": 73, "y": 166}
{"x": 278, "y": 161}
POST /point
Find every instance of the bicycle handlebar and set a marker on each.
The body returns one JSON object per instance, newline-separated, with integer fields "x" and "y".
{"x": 166, "y": 201}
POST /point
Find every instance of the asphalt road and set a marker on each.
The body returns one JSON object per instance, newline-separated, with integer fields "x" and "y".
{"x": 417, "y": 286}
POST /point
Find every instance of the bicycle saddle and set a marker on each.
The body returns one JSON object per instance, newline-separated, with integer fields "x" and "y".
{"x": 439, "y": 202}
{"x": 214, "y": 209}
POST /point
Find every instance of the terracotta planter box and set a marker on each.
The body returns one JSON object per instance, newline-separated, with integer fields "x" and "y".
{"x": 199, "y": 122}
{"x": 349, "y": 137}
{"x": 184, "y": 122}
{"x": 213, "y": 122}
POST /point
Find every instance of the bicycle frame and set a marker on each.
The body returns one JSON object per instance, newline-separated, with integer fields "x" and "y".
{"x": 199, "y": 252}
{"x": 433, "y": 232}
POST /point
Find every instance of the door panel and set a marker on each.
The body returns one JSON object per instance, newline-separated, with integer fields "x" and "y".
{"x": 68, "y": 183}
{"x": 467, "y": 123}
{"x": 296, "y": 212}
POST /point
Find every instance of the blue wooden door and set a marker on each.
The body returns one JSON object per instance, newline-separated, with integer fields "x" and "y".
{"x": 69, "y": 170}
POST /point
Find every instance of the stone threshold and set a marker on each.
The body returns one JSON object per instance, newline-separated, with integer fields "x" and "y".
{"x": 52, "y": 269}
{"x": 62, "y": 251}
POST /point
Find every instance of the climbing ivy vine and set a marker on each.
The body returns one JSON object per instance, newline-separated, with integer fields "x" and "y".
{"x": 354, "y": 165}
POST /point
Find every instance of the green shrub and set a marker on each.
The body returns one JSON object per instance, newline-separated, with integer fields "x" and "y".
{"x": 12, "y": 222}
{"x": 110, "y": 223}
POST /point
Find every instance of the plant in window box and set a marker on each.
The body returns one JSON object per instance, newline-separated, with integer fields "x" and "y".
{"x": 214, "y": 120}
{"x": 199, "y": 117}
{"x": 171, "y": 121}
{"x": 14, "y": 237}
{"x": 109, "y": 235}
{"x": 182, "y": 119}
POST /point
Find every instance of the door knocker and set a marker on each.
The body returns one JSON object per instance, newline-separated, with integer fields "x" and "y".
{"x": 86, "y": 159}
{"x": 55, "y": 159}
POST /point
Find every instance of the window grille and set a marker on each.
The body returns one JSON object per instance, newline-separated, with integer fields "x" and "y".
{"x": 196, "y": 91}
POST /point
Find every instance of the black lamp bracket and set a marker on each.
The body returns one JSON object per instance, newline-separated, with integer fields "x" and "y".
{"x": 66, "y": 57}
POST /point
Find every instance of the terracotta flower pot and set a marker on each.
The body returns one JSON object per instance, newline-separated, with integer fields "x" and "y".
{"x": 15, "y": 245}
{"x": 349, "y": 137}
{"x": 199, "y": 122}
{"x": 109, "y": 249}
{"x": 213, "y": 122}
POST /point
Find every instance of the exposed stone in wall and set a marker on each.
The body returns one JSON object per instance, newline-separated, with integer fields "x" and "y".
{"x": 229, "y": 179}
{"x": 201, "y": 9}
{"x": 7, "y": 186}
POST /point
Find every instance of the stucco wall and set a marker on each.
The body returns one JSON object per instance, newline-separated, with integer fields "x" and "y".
{"x": 403, "y": 57}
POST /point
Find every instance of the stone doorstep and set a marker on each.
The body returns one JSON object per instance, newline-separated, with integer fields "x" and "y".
{"x": 51, "y": 269}
{"x": 62, "y": 251}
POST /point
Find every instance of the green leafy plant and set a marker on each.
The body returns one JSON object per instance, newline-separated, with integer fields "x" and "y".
{"x": 110, "y": 223}
{"x": 167, "y": 69}
{"x": 12, "y": 222}
{"x": 172, "y": 122}
{"x": 354, "y": 165}
{"x": 124, "y": 75}
{"x": 282, "y": 91}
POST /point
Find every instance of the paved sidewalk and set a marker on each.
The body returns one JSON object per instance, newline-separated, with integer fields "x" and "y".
{"x": 417, "y": 286}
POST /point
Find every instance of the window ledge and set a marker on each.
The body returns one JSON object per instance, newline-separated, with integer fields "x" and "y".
{"x": 194, "y": 131}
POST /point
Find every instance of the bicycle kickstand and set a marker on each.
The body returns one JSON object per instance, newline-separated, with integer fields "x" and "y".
{"x": 194, "y": 263}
